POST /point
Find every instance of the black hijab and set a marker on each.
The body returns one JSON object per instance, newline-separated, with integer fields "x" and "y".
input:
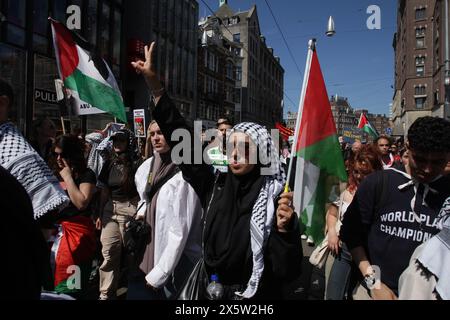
{"x": 227, "y": 233}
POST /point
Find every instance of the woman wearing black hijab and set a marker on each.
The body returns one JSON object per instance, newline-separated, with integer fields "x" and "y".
{"x": 251, "y": 238}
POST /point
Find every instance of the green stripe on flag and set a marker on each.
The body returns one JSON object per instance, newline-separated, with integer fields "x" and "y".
{"x": 97, "y": 94}
{"x": 370, "y": 131}
{"x": 327, "y": 155}
{"x": 318, "y": 207}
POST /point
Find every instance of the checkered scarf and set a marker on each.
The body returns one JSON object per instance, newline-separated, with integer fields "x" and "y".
{"x": 25, "y": 164}
{"x": 263, "y": 213}
{"x": 95, "y": 160}
{"x": 435, "y": 256}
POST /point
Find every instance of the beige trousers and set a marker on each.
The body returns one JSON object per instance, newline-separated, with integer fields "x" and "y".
{"x": 115, "y": 217}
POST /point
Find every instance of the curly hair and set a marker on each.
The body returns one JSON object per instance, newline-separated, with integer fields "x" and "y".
{"x": 430, "y": 134}
{"x": 368, "y": 158}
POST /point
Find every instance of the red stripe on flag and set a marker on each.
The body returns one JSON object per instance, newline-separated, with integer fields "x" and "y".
{"x": 317, "y": 119}
{"x": 67, "y": 49}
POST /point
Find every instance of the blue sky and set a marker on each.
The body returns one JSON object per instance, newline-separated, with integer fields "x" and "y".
{"x": 357, "y": 63}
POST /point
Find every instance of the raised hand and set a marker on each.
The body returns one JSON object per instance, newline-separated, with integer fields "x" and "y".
{"x": 148, "y": 68}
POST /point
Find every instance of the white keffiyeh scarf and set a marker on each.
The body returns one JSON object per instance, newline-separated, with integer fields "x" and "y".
{"x": 263, "y": 213}
{"x": 24, "y": 163}
{"x": 435, "y": 256}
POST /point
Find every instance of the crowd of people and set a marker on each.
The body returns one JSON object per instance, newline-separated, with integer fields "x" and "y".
{"x": 77, "y": 198}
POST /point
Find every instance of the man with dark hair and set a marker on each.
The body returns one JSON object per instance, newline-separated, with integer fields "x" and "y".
{"x": 217, "y": 151}
{"x": 393, "y": 211}
{"x": 24, "y": 163}
{"x": 383, "y": 144}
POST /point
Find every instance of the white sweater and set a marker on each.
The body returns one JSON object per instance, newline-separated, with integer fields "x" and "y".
{"x": 177, "y": 223}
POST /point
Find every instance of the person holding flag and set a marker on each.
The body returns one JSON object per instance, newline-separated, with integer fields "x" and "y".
{"x": 251, "y": 238}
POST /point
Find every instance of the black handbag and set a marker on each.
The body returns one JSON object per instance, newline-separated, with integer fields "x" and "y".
{"x": 137, "y": 236}
{"x": 196, "y": 283}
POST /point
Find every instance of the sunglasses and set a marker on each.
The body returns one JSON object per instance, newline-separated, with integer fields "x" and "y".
{"x": 57, "y": 155}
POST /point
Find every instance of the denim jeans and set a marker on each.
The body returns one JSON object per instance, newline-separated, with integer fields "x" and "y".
{"x": 341, "y": 271}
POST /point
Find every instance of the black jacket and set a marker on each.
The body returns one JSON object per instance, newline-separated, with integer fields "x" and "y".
{"x": 283, "y": 253}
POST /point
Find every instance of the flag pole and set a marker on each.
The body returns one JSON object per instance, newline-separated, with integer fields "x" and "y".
{"x": 311, "y": 49}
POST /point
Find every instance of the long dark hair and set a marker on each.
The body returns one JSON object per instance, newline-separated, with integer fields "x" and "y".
{"x": 72, "y": 151}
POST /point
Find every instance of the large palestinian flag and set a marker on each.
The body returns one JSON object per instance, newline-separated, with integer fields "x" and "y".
{"x": 320, "y": 164}
{"x": 86, "y": 75}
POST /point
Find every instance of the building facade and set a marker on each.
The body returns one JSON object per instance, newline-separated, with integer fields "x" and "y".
{"x": 27, "y": 58}
{"x": 291, "y": 120}
{"x": 262, "y": 73}
{"x": 414, "y": 63}
{"x": 441, "y": 71}
{"x": 173, "y": 24}
{"x": 343, "y": 114}
{"x": 219, "y": 74}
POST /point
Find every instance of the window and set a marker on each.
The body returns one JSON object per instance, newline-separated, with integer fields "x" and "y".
{"x": 420, "y": 103}
{"x": 117, "y": 36}
{"x": 420, "y": 42}
{"x": 59, "y": 10}
{"x": 104, "y": 27}
{"x": 92, "y": 21}
{"x": 420, "y": 90}
{"x": 229, "y": 70}
{"x": 16, "y": 21}
{"x": 237, "y": 37}
{"x": 421, "y": 13}
{"x": 420, "y": 31}
{"x": 420, "y": 71}
{"x": 420, "y": 61}
{"x": 436, "y": 97}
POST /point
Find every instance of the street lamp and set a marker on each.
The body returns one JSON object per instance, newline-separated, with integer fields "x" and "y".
{"x": 331, "y": 29}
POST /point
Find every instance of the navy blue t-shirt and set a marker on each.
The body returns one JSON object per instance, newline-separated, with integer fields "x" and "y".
{"x": 389, "y": 230}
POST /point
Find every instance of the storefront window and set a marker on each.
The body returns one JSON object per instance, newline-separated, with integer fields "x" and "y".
{"x": 45, "y": 104}
{"x": 117, "y": 37}
{"x": 40, "y": 25}
{"x": 92, "y": 22}
{"x": 13, "y": 68}
{"x": 104, "y": 31}
{"x": 16, "y": 12}
{"x": 59, "y": 10}
{"x": 16, "y": 21}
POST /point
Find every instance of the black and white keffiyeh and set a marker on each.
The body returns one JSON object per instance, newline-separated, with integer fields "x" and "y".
{"x": 24, "y": 163}
{"x": 435, "y": 256}
{"x": 263, "y": 213}
{"x": 95, "y": 160}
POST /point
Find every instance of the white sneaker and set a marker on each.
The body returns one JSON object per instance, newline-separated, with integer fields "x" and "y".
{"x": 304, "y": 237}
{"x": 310, "y": 241}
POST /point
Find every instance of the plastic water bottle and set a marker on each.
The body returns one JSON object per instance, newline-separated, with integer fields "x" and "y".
{"x": 215, "y": 288}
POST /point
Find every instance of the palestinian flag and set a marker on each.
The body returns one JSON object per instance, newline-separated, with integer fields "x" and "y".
{"x": 366, "y": 127}
{"x": 285, "y": 132}
{"x": 85, "y": 74}
{"x": 320, "y": 164}
{"x": 74, "y": 250}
